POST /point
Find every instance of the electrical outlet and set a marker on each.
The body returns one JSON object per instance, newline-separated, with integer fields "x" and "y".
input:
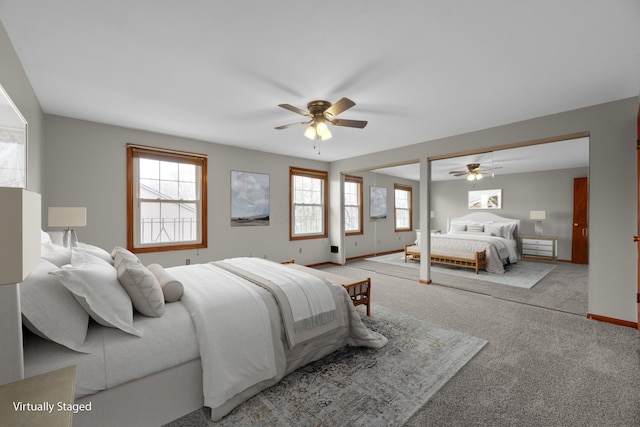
{"x": 188, "y": 261}
{"x": 300, "y": 250}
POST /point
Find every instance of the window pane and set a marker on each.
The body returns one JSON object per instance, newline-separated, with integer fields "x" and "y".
{"x": 149, "y": 169}
{"x": 402, "y": 199}
{"x": 402, "y": 218}
{"x": 162, "y": 222}
{"x": 351, "y": 218}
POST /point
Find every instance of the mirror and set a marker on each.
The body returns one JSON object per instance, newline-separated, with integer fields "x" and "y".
{"x": 13, "y": 144}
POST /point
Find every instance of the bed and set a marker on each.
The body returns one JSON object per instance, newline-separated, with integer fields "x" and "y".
{"x": 476, "y": 240}
{"x": 214, "y": 334}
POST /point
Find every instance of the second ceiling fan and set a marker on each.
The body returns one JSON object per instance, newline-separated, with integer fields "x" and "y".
{"x": 473, "y": 171}
{"x": 320, "y": 113}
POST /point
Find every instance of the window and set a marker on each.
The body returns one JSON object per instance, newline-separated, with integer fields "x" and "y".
{"x": 308, "y": 202}
{"x": 166, "y": 200}
{"x": 352, "y": 205}
{"x": 403, "y": 208}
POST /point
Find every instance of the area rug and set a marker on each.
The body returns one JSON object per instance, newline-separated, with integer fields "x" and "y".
{"x": 523, "y": 274}
{"x": 364, "y": 387}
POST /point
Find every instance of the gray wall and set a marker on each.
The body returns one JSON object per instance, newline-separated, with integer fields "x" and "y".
{"x": 86, "y": 166}
{"x": 380, "y": 236}
{"x": 550, "y": 191}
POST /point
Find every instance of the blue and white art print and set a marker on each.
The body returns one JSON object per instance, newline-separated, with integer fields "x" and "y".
{"x": 378, "y": 204}
{"x": 249, "y": 199}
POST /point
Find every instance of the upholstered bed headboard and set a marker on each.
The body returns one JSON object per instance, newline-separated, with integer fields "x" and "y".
{"x": 486, "y": 218}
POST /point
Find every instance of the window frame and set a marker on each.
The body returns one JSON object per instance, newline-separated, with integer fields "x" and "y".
{"x": 309, "y": 173}
{"x": 133, "y": 201}
{"x": 408, "y": 189}
{"x": 360, "y": 182}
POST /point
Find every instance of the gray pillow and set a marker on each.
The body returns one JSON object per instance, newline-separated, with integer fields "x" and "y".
{"x": 121, "y": 254}
{"x": 93, "y": 250}
{"x": 95, "y": 286}
{"x": 143, "y": 288}
{"x": 50, "y": 310}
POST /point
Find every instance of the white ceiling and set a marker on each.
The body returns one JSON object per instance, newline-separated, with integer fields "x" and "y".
{"x": 417, "y": 69}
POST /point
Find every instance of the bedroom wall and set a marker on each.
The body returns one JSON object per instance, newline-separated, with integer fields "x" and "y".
{"x": 612, "y": 188}
{"x": 16, "y": 83}
{"x": 551, "y": 191}
{"x": 86, "y": 166}
{"x": 380, "y": 236}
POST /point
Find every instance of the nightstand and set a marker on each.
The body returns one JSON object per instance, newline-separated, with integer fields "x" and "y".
{"x": 41, "y": 400}
{"x": 542, "y": 247}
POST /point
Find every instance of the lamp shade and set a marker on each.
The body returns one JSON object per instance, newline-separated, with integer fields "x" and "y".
{"x": 538, "y": 215}
{"x": 20, "y": 225}
{"x": 67, "y": 217}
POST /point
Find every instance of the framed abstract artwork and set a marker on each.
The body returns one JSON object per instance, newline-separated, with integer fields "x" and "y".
{"x": 485, "y": 199}
{"x": 249, "y": 199}
{"x": 378, "y": 204}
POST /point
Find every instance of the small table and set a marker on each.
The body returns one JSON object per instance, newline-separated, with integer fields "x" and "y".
{"x": 22, "y": 403}
{"x": 541, "y": 247}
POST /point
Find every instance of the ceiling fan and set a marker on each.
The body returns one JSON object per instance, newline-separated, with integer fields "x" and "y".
{"x": 320, "y": 113}
{"x": 473, "y": 172}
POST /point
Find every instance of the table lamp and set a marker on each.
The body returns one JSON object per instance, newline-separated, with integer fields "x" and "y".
{"x": 68, "y": 217}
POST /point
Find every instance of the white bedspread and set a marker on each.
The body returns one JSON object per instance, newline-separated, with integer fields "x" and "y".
{"x": 239, "y": 354}
{"x": 498, "y": 249}
{"x": 306, "y": 302}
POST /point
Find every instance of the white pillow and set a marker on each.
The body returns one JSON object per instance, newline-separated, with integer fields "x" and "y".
{"x": 456, "y": 228}
{"x": 95, "y": 251}
{"x": 494, "y": 230}
{"x": 95, "y": 286}
{"x": 143, "y": 288}
{"x": 475, "y": 228}
{"x": 508, "y": 231}
{"x": 55, "y": 254}
{"x": 44, "y": 237}
{"x": 172, "y": 288}
{"x": 50, "y": 310}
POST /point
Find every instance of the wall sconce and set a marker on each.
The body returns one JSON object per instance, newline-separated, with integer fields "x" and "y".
{"x": 68, "y": 217}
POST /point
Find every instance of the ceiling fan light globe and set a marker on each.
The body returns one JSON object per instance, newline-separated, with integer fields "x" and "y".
{"x": 310, "y": 132}
{"x": 478, "y": 176}
{"x": 471, "y": 177}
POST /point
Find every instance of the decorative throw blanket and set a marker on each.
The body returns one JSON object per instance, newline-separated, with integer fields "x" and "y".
{"x": 307, "y": 303}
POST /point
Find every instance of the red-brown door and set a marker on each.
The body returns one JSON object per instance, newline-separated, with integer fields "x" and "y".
{"x": 580, "y": 237}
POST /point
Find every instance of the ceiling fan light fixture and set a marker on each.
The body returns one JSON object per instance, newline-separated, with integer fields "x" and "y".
{"x": 478, "y": 176}
{"x": 311, "y": 132}
{"x": 322, "y": 130}
{"x": 471, "y": 177}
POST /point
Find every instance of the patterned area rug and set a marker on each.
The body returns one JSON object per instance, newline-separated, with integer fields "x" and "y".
{"x": 363, "y": 387}
{"x": 523, "y": 274}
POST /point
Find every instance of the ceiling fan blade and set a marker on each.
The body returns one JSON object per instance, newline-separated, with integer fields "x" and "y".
{"x": 294, "y": 109}
{"x": 292, "y": 125}
{"x": 349, "y": 123}
{"x": 459, "y": 172}
{"x": 340, "y": 106}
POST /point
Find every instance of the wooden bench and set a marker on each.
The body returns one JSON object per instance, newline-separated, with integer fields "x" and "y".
{"x": 359, "y": 290}
{"x": 475, "y": 260}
